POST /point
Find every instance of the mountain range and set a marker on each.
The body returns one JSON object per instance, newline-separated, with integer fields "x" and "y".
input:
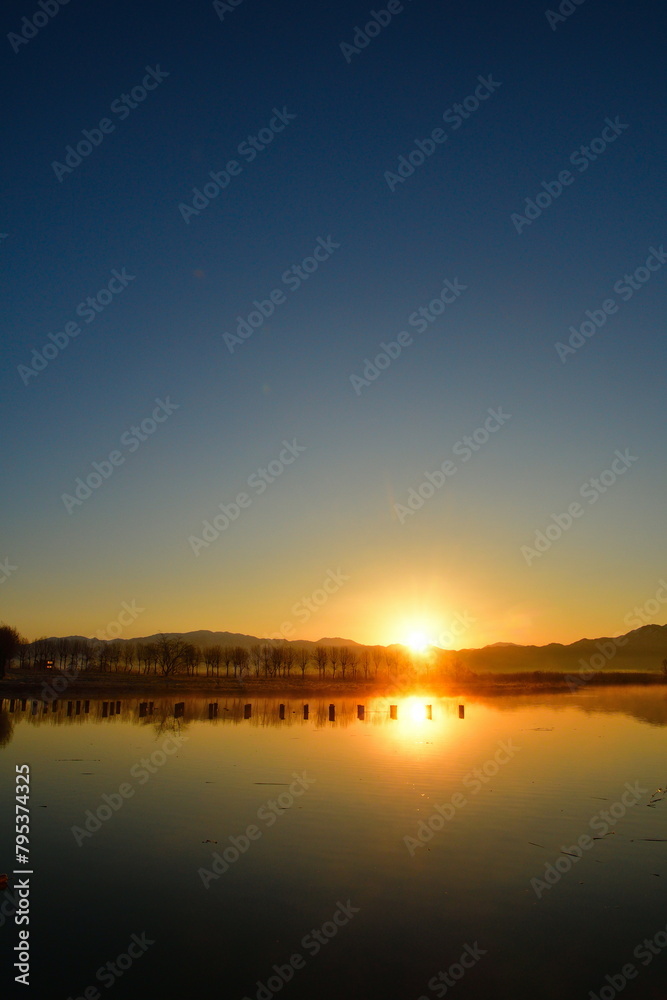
{"x": 643, "y": 649}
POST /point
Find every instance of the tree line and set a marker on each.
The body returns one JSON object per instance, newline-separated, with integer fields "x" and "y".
{"x": 169, "y": 655}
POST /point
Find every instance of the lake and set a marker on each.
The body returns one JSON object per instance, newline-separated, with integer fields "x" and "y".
{"x": 515, "y": 847}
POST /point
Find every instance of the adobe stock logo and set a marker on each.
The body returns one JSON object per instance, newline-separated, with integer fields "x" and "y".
{"x": 363, "y": 37}
{"x": 31, "y": 26}
{"x": 94, "y": 137}
{"x": 131, "y": 439}
{"x": 225, "y": 8}
{"x": 591, "y": 490}
{"x": 259, "y": 481}
{"x": 6, "y": 570}
{"x": 89, "y": 309}
{"x": 566, "y": 9}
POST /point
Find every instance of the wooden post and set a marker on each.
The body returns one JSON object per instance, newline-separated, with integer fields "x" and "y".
{"x": 429, "y": 711}
{"x": 213, "y": 710}
{"x": 105, "y": 709}
{"x": 305, "y": 711}
{"x": 393, "y": 711}
{"x": 86, "y": 707}
{"x": 361, "y": 711}
{"x": 462, "y": 711}
{"x": 281, "y": 711}
{"x": 332, "y": 713}
{"x": 179, "y": 709}
{"x": 143, "y": 706}
{"x": 117, "y": 708}
{"x": 247, "y": 711}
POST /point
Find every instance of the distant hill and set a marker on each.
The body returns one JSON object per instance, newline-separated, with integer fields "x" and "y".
{"x": 643, "y": 649}
{"x": 204, "y": 638}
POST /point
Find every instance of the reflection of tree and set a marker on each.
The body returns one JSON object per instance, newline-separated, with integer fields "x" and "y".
{"x": 6, "y": 729}
{"x": 166, "y": 724}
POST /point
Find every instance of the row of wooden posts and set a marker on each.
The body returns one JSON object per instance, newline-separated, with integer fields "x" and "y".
{"x": 179, "y": 711}
{"x": 110, "y": 708}
{"x": 78, "y": 707}
{"x": 73, "y": 707}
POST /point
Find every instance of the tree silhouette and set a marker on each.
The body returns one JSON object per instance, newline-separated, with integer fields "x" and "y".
{"x": 172, "y": 653}
{"x": 303, "y": 659}
{"x": 10, "y": 641}
{"x": 321, "y": 657}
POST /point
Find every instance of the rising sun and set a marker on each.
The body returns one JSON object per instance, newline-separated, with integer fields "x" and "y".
{"x": 417, "y": 641}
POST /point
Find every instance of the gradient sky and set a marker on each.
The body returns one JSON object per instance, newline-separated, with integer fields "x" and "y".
{"x": 333, "y": 509}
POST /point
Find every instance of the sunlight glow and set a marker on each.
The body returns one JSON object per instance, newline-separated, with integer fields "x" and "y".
{"x": 415, "y": 710}
{"x": 417, "y": 641}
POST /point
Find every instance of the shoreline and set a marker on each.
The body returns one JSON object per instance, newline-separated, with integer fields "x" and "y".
{"x": 36, "y": 685}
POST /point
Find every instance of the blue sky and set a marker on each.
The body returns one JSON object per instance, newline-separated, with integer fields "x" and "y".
{"x": 323, "y": 178}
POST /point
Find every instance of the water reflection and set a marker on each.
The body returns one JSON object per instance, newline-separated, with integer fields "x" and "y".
{"x": 431, "y": 814}
{"x": 6, "y": 729}
{"x": 409, "y": 715}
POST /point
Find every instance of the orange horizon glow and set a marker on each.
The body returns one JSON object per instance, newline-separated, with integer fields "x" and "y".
{"x": 371, "y": 609}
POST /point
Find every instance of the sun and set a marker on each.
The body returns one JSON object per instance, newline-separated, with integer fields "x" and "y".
{"x": 417, "y": 641}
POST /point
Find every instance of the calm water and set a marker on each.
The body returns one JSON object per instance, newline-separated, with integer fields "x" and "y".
{"x": 517, "y": 779}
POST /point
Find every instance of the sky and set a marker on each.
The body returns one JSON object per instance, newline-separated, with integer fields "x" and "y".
{"x": 217, "y": 217}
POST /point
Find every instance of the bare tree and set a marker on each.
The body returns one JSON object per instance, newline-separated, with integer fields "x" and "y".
{"x": 128, "y": 655}
{"x": 288, "y": 659}
{"x": 87, "y": 654}
{"x": 334, "y": 653}
{"x": 103, "y": 656}
{"x": 303, "y": 659}
{"x": 212, "y": 659}
{"x": 256, "y": 658}
{"x": 153, "y": 653}
{"x": 62, "y": 647}
{"x": 76, "y": 649}
{"x": 10, "y": 641}
{"x": 344, "y": 658}
{"x": 392, "y": 661}
{"x": 171, "y": 653}
{"x": 193, "y": 657}
{"x": 321, "y": 657}
{"x": 227, "y": 658}
{"x": 43, "y": 649}
{"x": 266, "y": 659}
{"x": 241, "y": 659}
{"x": 276, "y": 660}
{"x": 115, "y": 654}
{"x": 143, "y": 656}
{"x": 23, "y": 653}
